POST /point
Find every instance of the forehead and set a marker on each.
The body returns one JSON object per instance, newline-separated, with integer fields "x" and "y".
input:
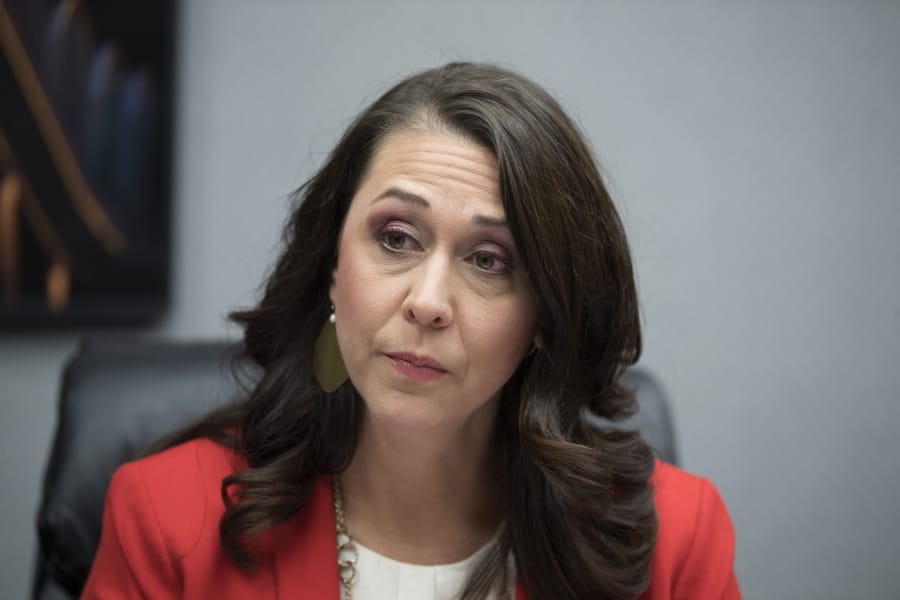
{"x": 435, "y": 160}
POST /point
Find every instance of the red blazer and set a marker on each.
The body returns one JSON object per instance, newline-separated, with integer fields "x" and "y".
{"x": 161, "y": 537}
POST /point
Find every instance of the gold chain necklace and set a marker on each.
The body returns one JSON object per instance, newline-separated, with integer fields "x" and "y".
{"x": 347, "y": 553}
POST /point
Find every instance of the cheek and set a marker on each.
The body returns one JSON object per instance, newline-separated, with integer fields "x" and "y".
{"x": 359, "y": 297}
{"x": 350, "y": 309}
{"x": 504, "y": 334}
{"x": 347, "y": 277}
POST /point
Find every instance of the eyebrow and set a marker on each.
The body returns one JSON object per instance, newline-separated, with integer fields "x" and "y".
{"x": 403, "y": 195}
{"x": 417, "y": 200}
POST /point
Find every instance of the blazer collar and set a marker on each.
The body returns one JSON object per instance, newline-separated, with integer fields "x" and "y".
{"x": 306, "y": 551}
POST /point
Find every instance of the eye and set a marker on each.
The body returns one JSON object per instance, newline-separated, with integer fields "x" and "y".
{"x": 490, "y": 262}
{"x": 394, "y": 239}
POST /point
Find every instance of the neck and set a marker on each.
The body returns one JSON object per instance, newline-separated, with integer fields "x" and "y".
{"x": 423, "y": 498}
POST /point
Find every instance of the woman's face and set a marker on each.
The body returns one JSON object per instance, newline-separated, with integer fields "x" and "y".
{"x": 434, "y": 309}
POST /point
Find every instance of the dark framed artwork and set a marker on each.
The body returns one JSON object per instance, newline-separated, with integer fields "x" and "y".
{"x": 86, "y": 90}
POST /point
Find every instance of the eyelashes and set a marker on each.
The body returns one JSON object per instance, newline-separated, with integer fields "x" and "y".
{"x": 395, "y": 239}
{"x": 489, "y": 262}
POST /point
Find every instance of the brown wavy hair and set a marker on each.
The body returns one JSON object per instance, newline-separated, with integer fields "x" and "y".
{"x": 580, "y": 518}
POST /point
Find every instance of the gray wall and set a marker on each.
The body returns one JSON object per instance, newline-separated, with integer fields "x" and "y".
{"x": 753, "y": 151}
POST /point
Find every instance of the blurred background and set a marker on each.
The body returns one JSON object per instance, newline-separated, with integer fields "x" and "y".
{"x": 754, "y": 152}
{"x": 85, "y": 161}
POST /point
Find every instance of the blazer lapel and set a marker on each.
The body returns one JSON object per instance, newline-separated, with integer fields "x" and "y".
{"x": 306, "y": 551}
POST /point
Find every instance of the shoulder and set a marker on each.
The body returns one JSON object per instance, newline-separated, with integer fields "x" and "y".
{"x": 695, "y": 543}
{"x": 681, "y": 495}
{"x": 193, "y": 462}
{"x": 160, "y": 525}
{"x": 178, "y": 489}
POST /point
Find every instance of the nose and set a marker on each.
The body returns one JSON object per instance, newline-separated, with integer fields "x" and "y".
{"x": 428, "y": 302}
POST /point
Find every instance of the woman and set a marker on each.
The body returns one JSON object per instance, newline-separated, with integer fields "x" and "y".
{"x": 460, "y": 259}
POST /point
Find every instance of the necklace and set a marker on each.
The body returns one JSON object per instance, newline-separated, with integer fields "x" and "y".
{"x": 347, "y": 553}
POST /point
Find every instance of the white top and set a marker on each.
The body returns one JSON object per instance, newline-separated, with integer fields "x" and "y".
{"x": 381, "y": 578}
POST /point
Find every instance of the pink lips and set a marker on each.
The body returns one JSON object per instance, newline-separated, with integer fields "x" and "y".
{"x": 417, "y": 368}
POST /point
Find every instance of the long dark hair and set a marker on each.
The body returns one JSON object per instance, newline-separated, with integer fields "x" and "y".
{"x": 580, "y": 519}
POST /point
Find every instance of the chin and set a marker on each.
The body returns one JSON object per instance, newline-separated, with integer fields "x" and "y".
{"x": 401, "y": 413}
{"x": 404, "y": 412}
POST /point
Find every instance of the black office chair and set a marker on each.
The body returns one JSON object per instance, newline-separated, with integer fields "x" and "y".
{"x": 119, "y": 395}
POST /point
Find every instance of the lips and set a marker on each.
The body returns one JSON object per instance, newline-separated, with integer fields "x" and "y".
{"x": 417, "y": 368}
{"x": 417, "y": 361}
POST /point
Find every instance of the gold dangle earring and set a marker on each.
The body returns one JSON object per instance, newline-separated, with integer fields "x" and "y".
{"x": 327, "y": 360}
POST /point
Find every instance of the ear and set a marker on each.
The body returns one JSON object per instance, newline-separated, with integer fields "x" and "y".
{"x": 538, "y": 341}
{"x": 334, "y": 272}
{"x": 335, "y": 261}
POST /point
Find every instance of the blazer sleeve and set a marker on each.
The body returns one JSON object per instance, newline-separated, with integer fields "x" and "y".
{"x": 708, "y": 568}
{"x": 132, "y": 560}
